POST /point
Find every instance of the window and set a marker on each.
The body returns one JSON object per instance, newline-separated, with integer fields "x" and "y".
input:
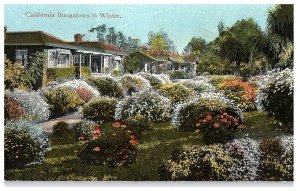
{"x": 59, "y": 58}
{"x": 21, "y": 56}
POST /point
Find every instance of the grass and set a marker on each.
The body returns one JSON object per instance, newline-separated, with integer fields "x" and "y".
{"x": 156, "y": 145}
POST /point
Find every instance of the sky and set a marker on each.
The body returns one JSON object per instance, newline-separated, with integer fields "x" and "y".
{"x": 181, "y": 22}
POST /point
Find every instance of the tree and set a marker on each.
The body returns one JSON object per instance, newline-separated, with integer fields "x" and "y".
{"x": 196, "y": 46}
{"x": 131, "y": 64}
{"x": 101, "y": 31}
{"x": 111, "y": 37}
{"x": 160, "y": 42}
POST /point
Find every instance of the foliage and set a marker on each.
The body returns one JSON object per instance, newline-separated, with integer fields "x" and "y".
{"x": 275, "y": 95}
{"x": 113, "y": 148}
{"x": 148, "y": 103}
{"x": 160, "y": 42}
{"x": 134, "y": 83}
{"x": 212, "y": 114}
{"x": 61, "y": 129}
{"x": 34, "y": 70}
{"x": 34, "y": 106}
{"x": 138, "y": 124}
{"x": 62, "y": 100}
{"x": 100, "y": 109}
{"x": 86, "y": 130}
{"x": 131, "y": 64}
{"x": 155, "y": 79}
{"x": 176, "y": 92}
{"x": 276, "y": 159}
{"x": 54, "y": 74}
{"x": 86, "y": 72}
{"x": 107, "y": 86}
{"x": 195, "y": 47}
{"x": 179, "y": 75}
{"x": 242, "y": 93}
{"x": 13, "y": 72}
{"x": 24, "y": 143}
{"x": 217, "y": 79}
{"x": 116, "y": 73}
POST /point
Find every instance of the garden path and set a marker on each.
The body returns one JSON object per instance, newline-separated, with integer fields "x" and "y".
{"x": 70, "y": 119}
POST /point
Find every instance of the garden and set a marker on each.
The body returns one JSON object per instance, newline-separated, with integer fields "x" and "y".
{"x": 145, "y": 127}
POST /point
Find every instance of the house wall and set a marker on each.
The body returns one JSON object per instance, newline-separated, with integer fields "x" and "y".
{"x": 10, "y": 50}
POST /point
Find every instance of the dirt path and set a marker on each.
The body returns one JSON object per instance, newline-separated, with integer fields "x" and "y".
{"x": 70, "y": 119}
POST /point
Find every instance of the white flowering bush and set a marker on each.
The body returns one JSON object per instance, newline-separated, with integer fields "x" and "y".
{"x": 275, "y": 95}
{"x": 24, "y": 143}
{"x": 33, "y": 104}
{"x": 239, "y": 160}
{"x": 148, "y": 103}
{"x": 107, "y": 86}
{"x": 80, "y": 84}
{"x": 156, "y": 80}
{"x": 199, "y": 86}
{"x": 245, "y": 156}
{"x": 211, "y": 113}
{"x": 134, "y": 83}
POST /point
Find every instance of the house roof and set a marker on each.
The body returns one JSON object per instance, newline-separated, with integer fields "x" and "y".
{"x": 169, "y": 56}
{"x": 45, "y": 39}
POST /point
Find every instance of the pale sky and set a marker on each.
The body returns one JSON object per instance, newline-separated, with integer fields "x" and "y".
{"x": 181, "y": 22}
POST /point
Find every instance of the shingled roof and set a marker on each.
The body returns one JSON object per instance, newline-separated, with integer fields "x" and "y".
{"x": 45, "y": 39}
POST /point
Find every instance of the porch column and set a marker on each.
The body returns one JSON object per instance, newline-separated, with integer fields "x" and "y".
{"x": 79, "y": 65}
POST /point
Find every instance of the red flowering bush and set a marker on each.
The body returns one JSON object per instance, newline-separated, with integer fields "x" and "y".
{"x": 242, "y": 93}
{"x": 12, "y": 109}
{"x": 115, "y": 146}
{"x": 217, "y": 127}
{"x": 84, "y": 94}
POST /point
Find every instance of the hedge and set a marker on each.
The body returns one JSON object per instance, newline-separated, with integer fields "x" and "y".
{"x": 60, "y": 73}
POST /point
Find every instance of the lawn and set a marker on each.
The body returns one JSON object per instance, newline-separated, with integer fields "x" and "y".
{"x": 155, "y": 146}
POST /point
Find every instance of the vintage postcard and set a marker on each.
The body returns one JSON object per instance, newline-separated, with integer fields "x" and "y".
{"x": 149, "y": 92}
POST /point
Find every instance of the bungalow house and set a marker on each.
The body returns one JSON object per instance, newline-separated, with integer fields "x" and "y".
{"x": 98, "y": 57}
{"x": 166, "y": 62}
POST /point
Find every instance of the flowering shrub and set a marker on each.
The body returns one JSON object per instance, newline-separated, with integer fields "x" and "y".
{"x": 84, "y": 94}
{"x": 133, "y": 83}
{"x": 107, "y": 86}
{"x": 199, "y": 86}
{"x": 12, "y": 109}
{"x": 212, "y": 114}
{"x": 275, "y": 95}
{"x": 81, "y": 85}
{"x": 86, "y": 130}
{"x": 24, "y": 143}
{"x": 62, "y": 129}
{"x": 148, "y": 103}
{"x": 239, "y": 160}
{"x": 156, "y": 80}
{"x": 276, "y": 159}
{"x": 100, "y": 109}
{"x": 217, "y": 79}
{"x": 62, "y": 100}
{"x": 116, "y": 147}
{"x": 208, "y": 163}
{"x": 34, "y": 106}
{"x": 138, "y": 124}
{"x": 176, "y": 92}
{"x": 242, "y": 93}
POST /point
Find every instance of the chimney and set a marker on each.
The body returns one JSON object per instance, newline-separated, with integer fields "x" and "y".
{"x": 5, "y": 29}
{"x": 78, "y": 38}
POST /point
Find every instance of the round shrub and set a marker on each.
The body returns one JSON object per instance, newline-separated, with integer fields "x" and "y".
{"x": 275, "y": 95}
{"x": 86, "y": 130}
{"x": 112, "y": 148}
{"x": 12, "y": 109}
{"x": 242, "y": 93}
{"x": 24, "y": 143}
{"x": 208, "y": 163}
{"x": 176, "y": 92}
{"x": 155, "y": 79}
{"x": 151, "y": 105}
{"x": 34, "y": 106}
{"x": 138, "y": 124}
{"x": 217, "y": 79}
{"x": 277, "y": 161}
{"x": 134, "y": 83}
{"x": 62, "y": 129}
{"x": 107, "y": 86}
{"x": 199, "y": 86}
{"x": 62, "y": 100}
{"x": 212, "y": 114}
{"x": 100, "y": 109}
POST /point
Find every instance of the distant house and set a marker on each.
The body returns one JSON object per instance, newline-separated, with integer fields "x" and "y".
{"x": 166, "y": 62}
{"x": 98, "y": 57}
